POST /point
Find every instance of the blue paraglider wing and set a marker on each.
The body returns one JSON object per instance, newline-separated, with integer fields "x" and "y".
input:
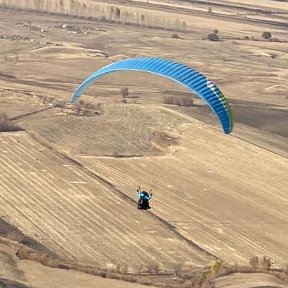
{"x": 178, "y": 72}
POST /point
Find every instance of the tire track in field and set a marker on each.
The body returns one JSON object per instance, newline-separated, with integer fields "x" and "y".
{"x": 21, "y": 116}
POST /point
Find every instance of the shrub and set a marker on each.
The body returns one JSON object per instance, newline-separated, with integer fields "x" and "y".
{"x": 286, "y": 270}
{"x": 14, "y": 236}
{"x": 140, "y": 268}
{"x": 266, "y": 35}
{"x": 123, "y": 268}
{"x": 266, "y": 263}
{"x": 124, "y": 92}
{"x": 119, "y": 268}
{"x": 146, "y": 282}
{"x": 213, "y": 37}
{"x": 180, "y": 101}
{"x": 59, "y": 104}
{"x": 118, "y": 12}
{"x": 23, "y": 253}
{"x": 186, "y": 101}
{"x": 217, "y": 267}
{"x": 199, "y": 279}
{"x": 175, "y": 36}
{"x": 86, "y": 108}
{"x": 178, "y": 270}
{"x": 153, "y": 267}
{"x": 254, "y": 262}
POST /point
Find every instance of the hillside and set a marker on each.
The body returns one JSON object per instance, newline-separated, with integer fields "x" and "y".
{"x": 68, "y": 181}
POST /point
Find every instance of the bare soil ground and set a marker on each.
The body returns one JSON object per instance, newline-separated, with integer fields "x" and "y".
{"x": 68, "y": 182}
{"x": 17, "y": 273}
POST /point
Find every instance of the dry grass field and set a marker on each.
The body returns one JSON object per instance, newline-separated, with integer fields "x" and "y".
{"x": 69, "y": 181}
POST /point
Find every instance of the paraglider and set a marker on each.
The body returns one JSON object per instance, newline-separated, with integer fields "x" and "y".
{"x": 183, "y": 74}
{"x": 143, "y": 199}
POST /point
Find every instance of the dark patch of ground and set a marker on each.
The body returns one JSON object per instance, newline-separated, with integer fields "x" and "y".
{"x": 9, "y": 231}
{"x": 5, "y": 283}
{"x": 266, "y": 117}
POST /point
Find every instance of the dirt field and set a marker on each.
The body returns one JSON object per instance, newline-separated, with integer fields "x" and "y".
{"x": 69, "y": 182}
{"x": 17, "y": 273}
{"x": 27, "y": 274}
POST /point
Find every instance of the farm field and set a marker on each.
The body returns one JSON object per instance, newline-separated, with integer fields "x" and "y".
{"x": 24, "y": 274}
{"x": 54, "y": 202}
{"x": 69, "y": 181}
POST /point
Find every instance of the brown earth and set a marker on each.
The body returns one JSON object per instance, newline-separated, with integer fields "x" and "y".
{"x": 17, "y": 273}
{"x": 68, "y": 182}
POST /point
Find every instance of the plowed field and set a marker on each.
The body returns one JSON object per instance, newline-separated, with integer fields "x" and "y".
{"x": 69, "y": 181}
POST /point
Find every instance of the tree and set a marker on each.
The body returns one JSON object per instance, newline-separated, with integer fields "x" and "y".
{"x": 176, "y": 36}
{"x": 118, "y": 12}
{"x": 124, "y": 92}
{"x": 266, "y": 35}
{"x": 213, "y": 36}
{"x": 254, "y": 262}
{"x": 266, "y": 263}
